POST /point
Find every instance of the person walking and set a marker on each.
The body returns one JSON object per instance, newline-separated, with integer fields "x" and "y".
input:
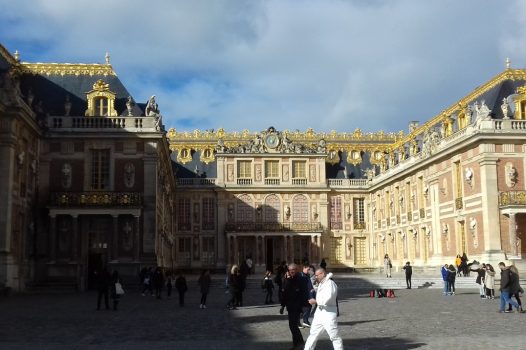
{"x": 295, "y": 295}
{"x": 408, "y": 273}
{"x": 516, "y": 287}
{"x": 481, "y": 274}
{"x": 181, "y": 286}
{"x": 280, "y": 274}
{"x": 451, "y": 274}
{"x": 204, "y": 282}
{"x": 310, "y": 289}
{"x": 387, "y": 266}
{"x": 169, "y": 285}
{"x": 103, "y": 279}
{"x": 325, "y": 316}
{"x": 115, "y": 278}
{"x": 147, "y": 282}
{"x": 507, "y": 288}
{"x": 268, "y": 286}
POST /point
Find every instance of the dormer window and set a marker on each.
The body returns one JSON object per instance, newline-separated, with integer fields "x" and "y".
{"x": 101, "y": 101}
{"x": 520, "y": 103}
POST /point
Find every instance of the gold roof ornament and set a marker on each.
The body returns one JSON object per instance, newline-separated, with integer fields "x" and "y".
{"x": 100, "y": 85}
{"x": 508, "y": 63}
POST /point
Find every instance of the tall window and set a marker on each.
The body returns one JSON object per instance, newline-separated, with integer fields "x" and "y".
{"x": 208, "y": 254}
{"x": 359, "y": 211}
{"x": 298, "y": 169}
{"x": 244, "y": 168}
{"x": 336, "y": 213}
{"x": 100, "y": 169}
{"x": 272, "y": 208}
{"x": 271, "y": 169}
{"x": 300, "y": 209}
{"x": 245, "y": 209}
{"x": 183, "y": 214}
{"x": 208, "y": 213}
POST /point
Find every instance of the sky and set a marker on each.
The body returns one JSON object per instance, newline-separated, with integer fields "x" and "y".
{"x": 292, "y": 64}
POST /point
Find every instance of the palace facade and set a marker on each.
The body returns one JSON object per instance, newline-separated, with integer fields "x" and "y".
{"x": 89, "y": 178}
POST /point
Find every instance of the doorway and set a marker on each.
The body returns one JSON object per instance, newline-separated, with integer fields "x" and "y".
{"x": 269, "y": 257}
{"x": 96, "y": 261}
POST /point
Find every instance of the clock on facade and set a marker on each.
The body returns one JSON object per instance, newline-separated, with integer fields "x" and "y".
{"x": 272, "y": 141}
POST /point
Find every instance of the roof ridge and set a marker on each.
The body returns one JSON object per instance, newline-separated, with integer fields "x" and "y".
{"x": 67, "y": 68}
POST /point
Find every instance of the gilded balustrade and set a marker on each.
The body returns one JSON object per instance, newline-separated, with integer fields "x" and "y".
{"x": 94, "y": 199}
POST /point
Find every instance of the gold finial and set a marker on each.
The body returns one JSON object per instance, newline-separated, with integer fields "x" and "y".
{"x": 508, "y": 63}
{"x": 17, "y": 56}
{"x": 107, "y": 58}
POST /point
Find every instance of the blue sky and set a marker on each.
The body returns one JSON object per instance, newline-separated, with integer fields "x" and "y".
{"x": 293, "y": 64}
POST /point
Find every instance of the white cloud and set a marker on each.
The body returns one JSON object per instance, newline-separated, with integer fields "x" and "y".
{"x": 326, "y": 64}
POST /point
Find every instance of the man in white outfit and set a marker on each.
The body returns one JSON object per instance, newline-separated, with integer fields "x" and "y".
{"x": 325, "y": 316}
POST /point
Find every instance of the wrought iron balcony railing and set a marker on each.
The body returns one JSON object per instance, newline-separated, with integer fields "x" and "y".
{"x": 94, "y": 199}
{"x": 273, "y": 227}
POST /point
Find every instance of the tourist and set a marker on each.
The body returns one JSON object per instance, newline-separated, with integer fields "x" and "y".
{"x": 451, "y": 274}
{"x": 234, "y": 285}
{"x": 158, "y": 281}
{"x": 295, "y": 295}
{"x": 458, "y": 262}
{"x": 204, "y": 282}
{"x": 169, "y": 285}
{"x": 444, "y": 271}
{"x": 481, "y": 274}
{"x": 114, "y": 293}
{"x": 323, "y": 264}
{"x": 268, "y": 286}
{"x": 280, "y": 274}
{"x": 325, "y": 317}
{"x": 387, "y": 266}
{"x": 408, "y": 273}
{"x": 307, "y": 307}
{"x": 243, "y": 273}
{"x": 103, "y": 280}
{"x": 516, "y": 287}
{"x": 249, "y": 264}
{"x": 489, "y": 282}
{"x": 507, "y": 288}
{"x": 147, "y": 282}
{"x": 180, "y": 285}
{"x": 464, "y": 264}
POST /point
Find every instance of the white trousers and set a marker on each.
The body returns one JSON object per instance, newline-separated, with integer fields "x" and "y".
{"x": 324, "y": 319}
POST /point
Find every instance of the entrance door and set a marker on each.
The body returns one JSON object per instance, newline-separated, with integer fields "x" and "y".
{"x": 95, "y": 263}
{"x": 360, "y": 251}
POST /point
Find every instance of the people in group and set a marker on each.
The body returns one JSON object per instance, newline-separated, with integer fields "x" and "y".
{"x": 481, "y": 274}
{"x": 204, "y": 282}
{"x": 408, "y": 273}
{"x": 458, "y": 262}
{"x": 147, "y": 281}
{"x": 181, "y": 286}
{"x": 158, "y": 281}
{"x": 489, "y": 282}
{"x": 444, "y": 271}
{"x": 325, "y": 316}
{"x": 451, "y": 274}
{"x": 464, "y": 264}
{"x": 508, "y": 287}
{"x": 295, "y": 296}
{"x": 268, "y": 286}
{"x": 516, "y": 287}
{"x": 387, "y": 266}
{"x": 306, "y": 310}
{"x": 234, "y": 286}
{"x": 103, "y": 280}
{"x": 115, "y": 278}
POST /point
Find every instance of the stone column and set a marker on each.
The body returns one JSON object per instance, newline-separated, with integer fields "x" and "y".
{"x": 136, "y": 239}
{"x": 221, "y": 221}
{"x": 285, "y": 249}
{"x": 52, "y": 238}
{"x": 512, "y": 229}
{"x": 115, "y": 239}
{"x": 290, "y": 252}
{"x": 75, "y": 239}
{"x": 490, "y": 201}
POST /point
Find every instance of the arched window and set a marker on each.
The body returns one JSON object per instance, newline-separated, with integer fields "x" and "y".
{"x": 245, "y": 209}
{"x": 300, "y": 209}
{"x": 272, "y": 209}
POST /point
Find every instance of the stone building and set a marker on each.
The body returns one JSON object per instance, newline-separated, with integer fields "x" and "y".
{"x": 452, "y": 185}
{"x": 86, "y": 176}
{"x": 89, "y": 177}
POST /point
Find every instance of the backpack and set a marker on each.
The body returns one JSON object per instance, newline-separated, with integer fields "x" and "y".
{"x": 390, "y": 293}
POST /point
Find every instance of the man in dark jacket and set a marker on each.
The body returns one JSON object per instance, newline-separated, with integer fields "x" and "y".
{"x": 295, "y": 295}
{"x": 103, "y": 284}
{"x": 408, "y": 273}
{"x": 310, "y": 289}
{"x": 508, "y": 286}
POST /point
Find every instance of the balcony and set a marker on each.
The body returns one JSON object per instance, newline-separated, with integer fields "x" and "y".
{"x": 347, "y": 183}
{"x": 95, "y": 199}
{"x": 274, "y": 182}
{"x": 58, "y": 123}
{"x": 201, "y": 182}
{"x": 512, "y": 198}
{"x": 299, "y": 181}
{"x": 244, "y": 182}
{"x": 273, "y": 227}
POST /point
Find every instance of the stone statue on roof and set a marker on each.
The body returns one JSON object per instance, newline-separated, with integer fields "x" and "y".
{"x": 505, "y": 108}
{"x": 152, "y": 109}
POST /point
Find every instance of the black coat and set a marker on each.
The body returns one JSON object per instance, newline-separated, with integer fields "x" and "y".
{"x": 180, "y": 284}
{"x": 295, "y": 293}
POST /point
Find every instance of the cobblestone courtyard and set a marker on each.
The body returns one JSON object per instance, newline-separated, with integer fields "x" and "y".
{"x": 416, "y": 319}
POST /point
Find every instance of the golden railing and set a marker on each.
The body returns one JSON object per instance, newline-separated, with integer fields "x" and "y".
{"x": 512, "y": 198}
{"x": 273, "y": 227}
{"x": 87, "y": 199}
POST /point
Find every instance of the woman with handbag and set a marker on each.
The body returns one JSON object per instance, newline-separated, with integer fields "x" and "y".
{"x": 116, "y": 289}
